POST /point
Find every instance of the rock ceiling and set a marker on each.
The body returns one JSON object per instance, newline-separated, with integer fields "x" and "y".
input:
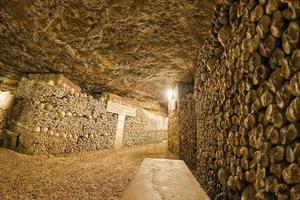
{"x": 134, "y": 48}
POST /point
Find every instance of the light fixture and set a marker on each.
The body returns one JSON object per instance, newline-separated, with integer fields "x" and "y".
{"x": 170, "y": 94}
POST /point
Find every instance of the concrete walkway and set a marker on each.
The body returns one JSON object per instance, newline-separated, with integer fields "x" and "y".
{"x": 163, "y": 179}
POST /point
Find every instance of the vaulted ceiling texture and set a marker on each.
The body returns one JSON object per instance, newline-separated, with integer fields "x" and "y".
{"x": 134, "y": 48}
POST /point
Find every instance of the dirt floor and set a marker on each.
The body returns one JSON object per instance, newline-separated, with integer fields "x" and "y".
{"x": 102, "y": 175}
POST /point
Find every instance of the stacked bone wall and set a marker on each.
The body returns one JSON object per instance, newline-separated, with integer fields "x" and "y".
{"x": 145, "y": 128}
{"x": 247, "y": 101}
{"x": 181, "y": 120}
{"x": 187, "y": 130}
{"x": 53, "y": 116}
{"x": 173, "y": 131}
{"x": 207, "y": 97}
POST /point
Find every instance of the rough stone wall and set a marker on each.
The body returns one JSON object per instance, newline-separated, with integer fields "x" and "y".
{"x": 247, "y": 101}
{"x": 145, "y": 128}
{"x": 53, "y": 116}
{"x": 187, "y": 130}
{"x": 173, "y": 131}
{"x": 129, "y": 47}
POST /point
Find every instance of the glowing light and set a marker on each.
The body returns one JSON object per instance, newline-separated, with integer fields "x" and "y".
{"x": 5, "y": 99}
{"x": 170, "y": 94}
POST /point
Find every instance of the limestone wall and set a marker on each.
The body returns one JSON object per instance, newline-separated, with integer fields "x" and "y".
{"x": 247, "y": 102}
{"x": 145, "y": 128}
{"x": 53, "y": 116}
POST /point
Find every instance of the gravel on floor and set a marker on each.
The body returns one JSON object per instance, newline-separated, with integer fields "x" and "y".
{"x": 102, "y": 175}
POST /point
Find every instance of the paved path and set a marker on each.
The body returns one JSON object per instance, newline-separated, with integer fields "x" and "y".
{"x": 164, "y": 179}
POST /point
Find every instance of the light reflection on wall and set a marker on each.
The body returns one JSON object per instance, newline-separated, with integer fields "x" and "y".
{"x": 5, "y": 99}
{"x": 172, "y": 95}
{"x": 160, "y": 121}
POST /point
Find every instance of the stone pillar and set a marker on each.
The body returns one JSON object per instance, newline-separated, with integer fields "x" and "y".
{"x": 119, "y": 132}
{"x": 122, "y": 111}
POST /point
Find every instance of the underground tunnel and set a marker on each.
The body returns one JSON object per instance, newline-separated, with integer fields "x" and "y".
{"x": 150, "y": 99}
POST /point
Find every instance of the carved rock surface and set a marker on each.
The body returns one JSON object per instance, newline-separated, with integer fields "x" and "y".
{"x": 132, "y": 48}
